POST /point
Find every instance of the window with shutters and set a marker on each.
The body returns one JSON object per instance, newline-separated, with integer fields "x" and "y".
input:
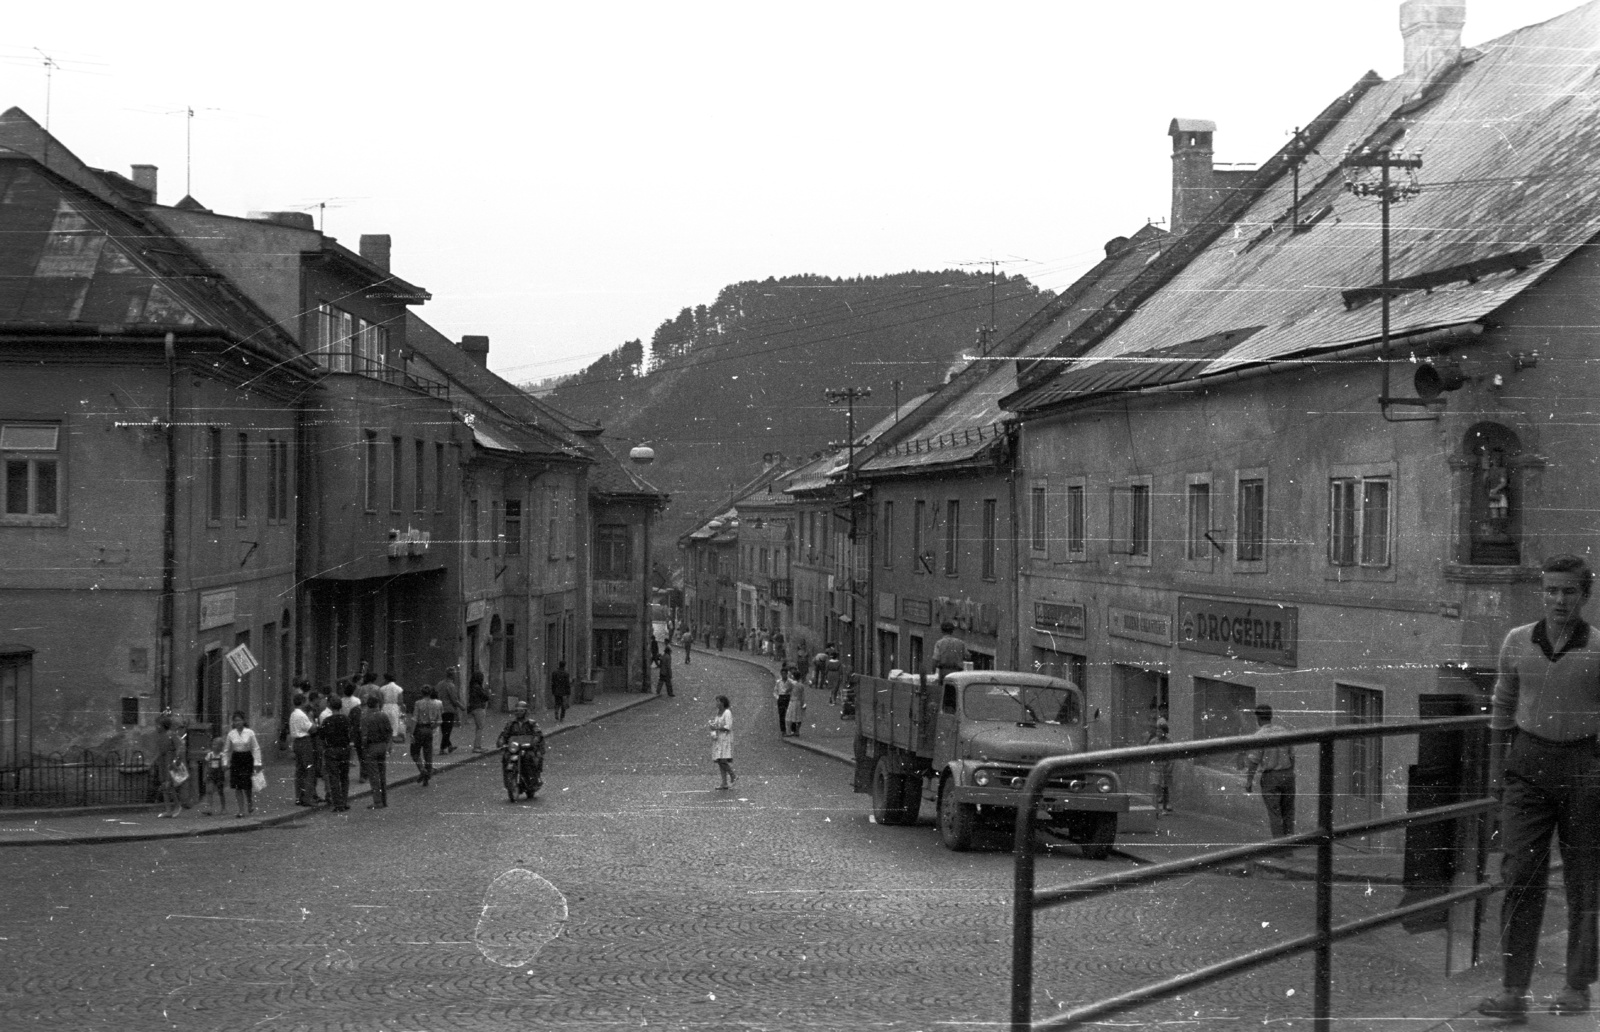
{"x": 1130, "y": 522}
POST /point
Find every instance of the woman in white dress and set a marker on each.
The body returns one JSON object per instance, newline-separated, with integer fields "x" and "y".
{"x": 721, "y": 727}
{"x": 390, "y": 694}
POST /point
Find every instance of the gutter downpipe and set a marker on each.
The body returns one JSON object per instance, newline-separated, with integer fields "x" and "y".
{"x": 169, "y": 531}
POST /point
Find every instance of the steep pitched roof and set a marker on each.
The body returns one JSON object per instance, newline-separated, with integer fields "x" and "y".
{"x": 1508, "y": 191}
{"x": 552, "y": 429}
{"x": 963, "y": 421}
{"x": 74, "y": 253}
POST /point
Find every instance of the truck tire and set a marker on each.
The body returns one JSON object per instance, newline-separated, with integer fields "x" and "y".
{"x": 1102, "y": 833}
{"x": 956, "y": 820}
{"x": 887, "y": 788}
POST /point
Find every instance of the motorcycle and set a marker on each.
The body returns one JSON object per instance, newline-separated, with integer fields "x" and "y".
{"x": 522, "y": 765}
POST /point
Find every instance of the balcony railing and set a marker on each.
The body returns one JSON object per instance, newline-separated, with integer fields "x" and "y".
{"x": 377, "y": 369}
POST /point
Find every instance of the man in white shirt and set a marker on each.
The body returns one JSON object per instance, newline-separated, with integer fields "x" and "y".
{"x": 305, "y": 771}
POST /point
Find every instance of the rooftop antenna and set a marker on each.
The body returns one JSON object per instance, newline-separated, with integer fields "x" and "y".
{"x": 50, "y": 67}
{"x": 322, "y": 207}
{"x": 188, "y": 143}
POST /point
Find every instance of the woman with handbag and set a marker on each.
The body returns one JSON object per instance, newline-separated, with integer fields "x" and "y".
{"x": 244, "y": 764}
{"x": 171, "y": 768}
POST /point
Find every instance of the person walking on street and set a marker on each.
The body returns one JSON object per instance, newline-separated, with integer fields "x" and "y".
{"x": 301, "y": 725}
{"x": 376, "y": 734}
{"x": 244, "y": 763}
{"x": 664, "y": 661}
{"x": 478, "y": 699}
{"x": 171, "y": 766}
{"x": 560, "y": 690}
{"x": 721, "y": 727}
{"x": 1544, "y": 718}
{"x": 819, "y": 668}
{"x": 688, "y": 645}
{"x": 795, "y": 713}
{"x": 336, "y": 737}
{"x": 391, "y": 693}
{"x": 1275, "y": 764}
{"x": 782, "y": 688}
{"x": 425, "y": 717}
{"x": 450, "y": 703}
{"x": 950, "y": 653}
{"x": 833, "y": 674}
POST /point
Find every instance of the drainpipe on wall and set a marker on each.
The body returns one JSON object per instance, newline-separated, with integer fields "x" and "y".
{"x": 169, "y": 533}
{"x": 1016, "y": 556}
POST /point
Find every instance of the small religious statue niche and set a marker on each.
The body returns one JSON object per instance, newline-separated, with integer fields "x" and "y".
{"x": 1494, "y": 515}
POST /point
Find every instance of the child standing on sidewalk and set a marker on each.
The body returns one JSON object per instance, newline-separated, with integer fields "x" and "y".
{"x": 216, "y": 776}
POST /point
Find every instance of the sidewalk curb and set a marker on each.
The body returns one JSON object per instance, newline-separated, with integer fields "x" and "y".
{"x": 298, "y": 813}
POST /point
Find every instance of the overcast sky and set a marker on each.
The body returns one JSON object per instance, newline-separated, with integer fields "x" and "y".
{"x": 562, "y": 177}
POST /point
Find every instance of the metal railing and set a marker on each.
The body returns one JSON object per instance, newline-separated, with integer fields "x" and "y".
{"x": 78, "y": 779}
{"x": 1027, "y": 899}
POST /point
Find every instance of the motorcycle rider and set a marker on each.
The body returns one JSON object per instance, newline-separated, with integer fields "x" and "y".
{"x": 522, "y": 724}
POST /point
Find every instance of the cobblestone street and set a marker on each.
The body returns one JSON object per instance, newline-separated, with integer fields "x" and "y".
{"x": 630, "y": 893}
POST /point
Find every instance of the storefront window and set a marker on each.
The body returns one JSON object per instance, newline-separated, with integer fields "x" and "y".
{"x": 1222, "y": 710}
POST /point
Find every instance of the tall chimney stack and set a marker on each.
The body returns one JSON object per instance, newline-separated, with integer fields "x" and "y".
{"x": 1193, "y": 185}
{"x": 477, "y": 348}
{"x": 375, "y": 249}
{"x": 144, "y": 177}
{"x": 1431, "y": 31}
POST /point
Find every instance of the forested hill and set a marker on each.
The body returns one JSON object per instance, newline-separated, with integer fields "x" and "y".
{"x": 721, "y": 385}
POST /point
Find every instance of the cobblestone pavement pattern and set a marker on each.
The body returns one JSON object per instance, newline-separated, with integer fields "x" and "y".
{"x": 631, "y": 893}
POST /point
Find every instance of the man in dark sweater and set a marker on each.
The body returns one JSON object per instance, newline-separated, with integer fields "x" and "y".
{"x": 336, "y": 737}
{"x": 1544, "y": 719}
{"x": 376, "y": 731}
{"x": 560, "y": 690}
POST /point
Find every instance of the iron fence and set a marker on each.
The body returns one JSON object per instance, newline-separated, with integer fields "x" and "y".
{"x": 78, "y": 779}
{"x": 1027, "y": 898}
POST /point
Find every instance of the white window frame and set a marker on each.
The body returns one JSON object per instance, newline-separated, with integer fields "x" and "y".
{"x": 1199, "y": 542}
{"x": 1362, "y": 479}
{"x": 15, "y": 452}
{"x": 1075, "y": 487}
{"x": 1126, "y": 515}
{"x": 1240, "y": 478}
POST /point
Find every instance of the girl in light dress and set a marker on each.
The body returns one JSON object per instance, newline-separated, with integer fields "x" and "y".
{"x": 721, "y": 727}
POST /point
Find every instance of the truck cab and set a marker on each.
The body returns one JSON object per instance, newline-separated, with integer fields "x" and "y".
{"x": 967, "y": 742}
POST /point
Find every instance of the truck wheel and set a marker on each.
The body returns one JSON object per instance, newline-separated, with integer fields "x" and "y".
{"x": 1102, "y": 833}
{"x": 956, "y": 820}
{"x": 886, "y": 792}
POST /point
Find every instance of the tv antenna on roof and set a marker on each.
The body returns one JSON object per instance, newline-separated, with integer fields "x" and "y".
{"x": 188, "y": 143}
{"x": 323, "y": 205}
{"x": 50, "y": 67}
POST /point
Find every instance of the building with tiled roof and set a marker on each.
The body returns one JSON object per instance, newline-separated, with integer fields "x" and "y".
{"x": 1314, "y": 455}
{"x": 148, "y": 420}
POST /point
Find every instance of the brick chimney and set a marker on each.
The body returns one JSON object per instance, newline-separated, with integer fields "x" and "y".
{"x": 477, "y": 347}
{"x": 1194, "y": 189}
{"x": 1431, "y": 31}
{"x": 375, "y": 249}
{"x": 144, "y": 177}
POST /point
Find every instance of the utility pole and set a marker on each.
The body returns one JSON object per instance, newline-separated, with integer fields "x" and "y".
{"x": 1388, "y": 192}
{"x": 897, "y": 384}
{"x": 849, "y": 396}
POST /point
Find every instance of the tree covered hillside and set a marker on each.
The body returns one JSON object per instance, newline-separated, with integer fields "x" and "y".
{"x": 722, "y": 385}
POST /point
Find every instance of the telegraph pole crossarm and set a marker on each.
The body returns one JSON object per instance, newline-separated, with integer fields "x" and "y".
{"x": 1384, "y": 159}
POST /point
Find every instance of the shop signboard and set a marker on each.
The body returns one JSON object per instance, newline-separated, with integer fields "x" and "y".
{"x": 1140, "y": 625}
{"x": 217, "y": 608}
{"x": 916, "y": 610}
{"x": 1259, "y": 631}
{"x": 1064, "y": 618}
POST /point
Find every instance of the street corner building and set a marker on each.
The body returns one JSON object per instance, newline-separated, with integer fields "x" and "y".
{"x": 234, "y": 456}
{"x": 148, "y": 419}
{"x": 1313, "y": 453}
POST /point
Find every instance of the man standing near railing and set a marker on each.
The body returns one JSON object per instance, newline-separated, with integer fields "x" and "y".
{"x": 1275, "y": 764}
{"x": 1544, "y": 720}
